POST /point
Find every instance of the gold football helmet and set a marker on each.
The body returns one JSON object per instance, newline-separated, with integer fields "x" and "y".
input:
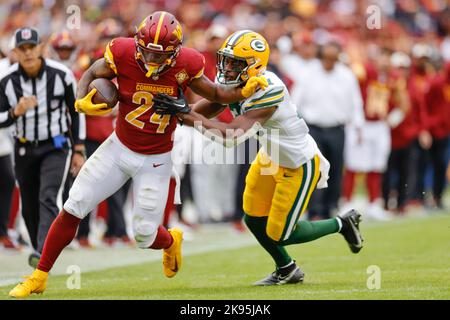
{"x": 244, "y": 52}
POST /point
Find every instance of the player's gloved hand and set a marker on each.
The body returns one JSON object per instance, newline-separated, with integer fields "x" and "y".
{"x": 252, "y": 85}
{"x": 165, "y": 104}
{"x": 85, "y": 105}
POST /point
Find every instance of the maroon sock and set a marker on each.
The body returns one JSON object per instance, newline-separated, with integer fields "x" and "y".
{"x": 374, "y": 185}
{"x": 170, "y": 206}
{"x": 163, "y": 239}
{"x": 348, "y": 185}
{"x": 61, "y": 233}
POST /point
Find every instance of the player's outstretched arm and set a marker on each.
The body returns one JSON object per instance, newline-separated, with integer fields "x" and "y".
{"x": 229, "y": 134}
{"x": 207, "y": 108}
{"x": 223, "y": 94}
{"x": 99, "y": 69}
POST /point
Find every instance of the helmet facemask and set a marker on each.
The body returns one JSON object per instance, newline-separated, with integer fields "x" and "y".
{"x": 227, "y": 63}
{"x": 245, "y": 54}
{"x": 154, "y": 59}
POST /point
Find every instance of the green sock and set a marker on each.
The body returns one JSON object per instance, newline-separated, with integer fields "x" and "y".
{"x": 257, "y": 226}
{"x": 307, "y": 231}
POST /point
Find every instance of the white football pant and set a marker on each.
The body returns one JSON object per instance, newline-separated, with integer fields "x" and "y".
{"x": 372, "y": 153}
{"x": 108, "y": 169}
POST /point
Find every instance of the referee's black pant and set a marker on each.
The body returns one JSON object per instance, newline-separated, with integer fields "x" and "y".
{"x": 41, "y": 171}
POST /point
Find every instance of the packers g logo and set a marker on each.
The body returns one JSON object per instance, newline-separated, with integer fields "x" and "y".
{"x": 258, "y": 45}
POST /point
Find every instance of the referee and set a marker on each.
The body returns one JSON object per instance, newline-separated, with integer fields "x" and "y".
{"x": 37, "y": 96}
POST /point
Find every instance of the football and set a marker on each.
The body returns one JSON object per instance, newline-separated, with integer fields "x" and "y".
{"x": 106, "y": 92}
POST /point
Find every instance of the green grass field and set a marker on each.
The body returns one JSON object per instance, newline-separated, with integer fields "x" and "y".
{"x": 413, "y": 255}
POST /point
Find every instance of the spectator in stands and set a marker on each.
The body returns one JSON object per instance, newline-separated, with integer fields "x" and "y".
{"x": 328, "y": 97}
{"x": 63, "y": 48}
{"x": 406, "y": 122}
{"x": 367, "y": 147}
{"x": 304, "y": 53}
{"x": 421, "y": 74}
{"x": 437, "y": 102}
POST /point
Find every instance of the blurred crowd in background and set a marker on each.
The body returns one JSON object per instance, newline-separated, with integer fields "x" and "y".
{"x": 403, "y": 63}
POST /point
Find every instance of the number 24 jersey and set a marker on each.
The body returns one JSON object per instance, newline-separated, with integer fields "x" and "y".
{"x": 138, "y": 126}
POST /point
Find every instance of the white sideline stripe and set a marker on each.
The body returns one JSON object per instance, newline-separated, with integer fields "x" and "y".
{"x": 193, "y": 249}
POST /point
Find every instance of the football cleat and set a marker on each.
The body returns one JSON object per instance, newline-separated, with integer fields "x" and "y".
{"x": 172, "y": 255}
{"x": 36, "y": 283}
{"x": 350, "y": 230}
{"x": 276, "y": 278}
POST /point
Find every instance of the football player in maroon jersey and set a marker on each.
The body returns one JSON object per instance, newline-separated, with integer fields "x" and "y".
{"x": 152, "y": 62}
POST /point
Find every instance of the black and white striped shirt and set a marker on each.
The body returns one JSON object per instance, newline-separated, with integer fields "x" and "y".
{"x": 54, "y": 88}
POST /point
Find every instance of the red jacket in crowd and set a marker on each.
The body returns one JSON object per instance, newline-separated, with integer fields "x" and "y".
{"x": 376, "y": 93}
{"x": 416, "y": 118}
{"x": 437, "y": 102}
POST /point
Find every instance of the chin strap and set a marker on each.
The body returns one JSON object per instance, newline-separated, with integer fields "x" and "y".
{"x": 151, "y": 70}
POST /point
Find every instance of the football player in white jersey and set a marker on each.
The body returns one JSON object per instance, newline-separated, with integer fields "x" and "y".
{"x": 288, "y": 167}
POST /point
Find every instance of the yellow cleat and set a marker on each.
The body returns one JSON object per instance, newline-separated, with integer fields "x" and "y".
{"x": 172, "y": 255}
{"x": 36, "y": 283}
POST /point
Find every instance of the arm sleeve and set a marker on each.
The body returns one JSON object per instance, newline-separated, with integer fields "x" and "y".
{"x": 5, "y": 116}
{"x": 196, "y": 66}
{"x": 77, "y": 125}
{"x": 270, "y": 97}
